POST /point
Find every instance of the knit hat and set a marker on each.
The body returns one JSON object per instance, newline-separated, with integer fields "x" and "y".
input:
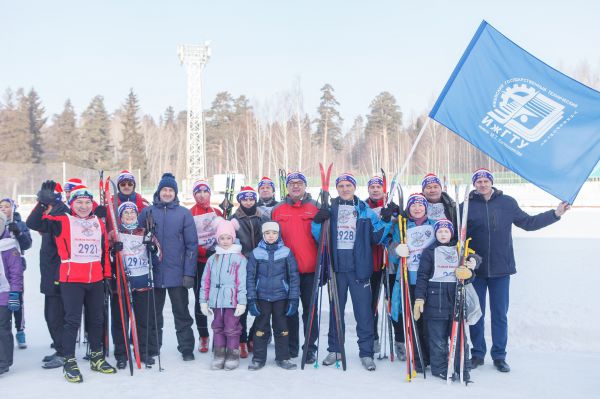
{"x": 80, "y": 192}
{"x": 246, "y": 193}
{"x": 416, "y": 198}
{"x": 346, "y": 177}
{"x": 226, "y": 227}
{"x": 125, "y": 175}
{"x": 482, "y": 172}
{"x": 266, "y": 181}
{"x": 295, "y": 176}
{"x": 127, "y": 205}
{"x": 443, "y": 223}
{"x": 72, "y": 183}
{"x": 201, "y": 184}
{"x": 375, "y": 180}
{"x": 167, "y": 180}
{"x": 430, "y": 178}
{"x": 12, "y": 203}
{"x": 58, "y": 192}
{"x": 270, "y": 226}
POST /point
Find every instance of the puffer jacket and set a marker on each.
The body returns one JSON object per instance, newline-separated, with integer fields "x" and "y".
{"x": 176, "y": 232}
{"x": 249, "y": 233}
{"x": 223, "y": 282}
{"x": 13, "y": 267}
{"x": 272, "y": 273}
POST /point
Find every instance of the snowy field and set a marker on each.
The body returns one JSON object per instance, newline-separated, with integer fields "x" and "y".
{"x": 553, "y": 350}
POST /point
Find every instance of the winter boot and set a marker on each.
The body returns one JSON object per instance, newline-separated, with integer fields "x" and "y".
{"x": 286, "y": 364}
{"x": 376, "y": 346}
{"x": 243, "y": 350}
{"x": 203, "y": 346}
{"x": 21, "y": 339}
{"x": 331, "y": 358}
{"x": 54, "y": 363}
{"x": 501, "y": 365}
{"x": 188, "y": 357}
{"x": 476, "y": 362}
{"x": 232, "y": 361}
{"x": 49, "y": 357}
{"x": 311, "y": 358}
{"x": 368, "y": 363}
{"x": 71, "y": 370}
{"x": 99, "y": 364}
{"x": 218, "y": 361}
{"x": 400, "y": 351}
{"x": 255, "y": 365}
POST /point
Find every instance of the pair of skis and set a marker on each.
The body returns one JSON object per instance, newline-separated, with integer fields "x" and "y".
{"x": 324, "y": 272}
{"x": 229, "y": 191}
{"x": 282, "y": 184}
{"x": 458, "y": 332}
{"x": 123, "y": 287}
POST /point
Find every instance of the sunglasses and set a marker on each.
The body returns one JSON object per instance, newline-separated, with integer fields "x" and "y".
{"x": 127, "y": 183}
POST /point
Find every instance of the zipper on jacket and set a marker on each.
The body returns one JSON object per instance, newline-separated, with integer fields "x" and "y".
{"x": 487, "y": 213}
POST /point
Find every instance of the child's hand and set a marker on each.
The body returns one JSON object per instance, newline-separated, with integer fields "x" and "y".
{"x": 418, "y": 309}
{"x": 239, "y": 310}
{"x": 205, "y": 309}
{"x": 253, "y": 308}
{"x": 463, "y": 273}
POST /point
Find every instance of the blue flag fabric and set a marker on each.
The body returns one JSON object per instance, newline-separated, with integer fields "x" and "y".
{"x": 534, "y": 120}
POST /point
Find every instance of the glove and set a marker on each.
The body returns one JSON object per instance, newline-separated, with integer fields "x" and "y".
{"x": 418, "y": 308}
{"x": 463, "y": 273}
{"x": 117, "y": 246}
{"x": 292, "y": 308}
{"x": 14, "y": 228}
{"x": 239, "y": 310}
{"x": 471, "y": 263}
{"x": 321, "y": 216}
{"x": 188, "y": 282}
{"x": 14, "y": 302}
{"x": 226, "y": 206}
{"x": 100, "y": 211}
{"x": 46, "y": 194}
{"x": 253, "y": 308}
{"x": 205, "y": 309}
{"x": 389, "y": 211}
{"x": 402, "y": 250}
{"x": 152, "y": 248}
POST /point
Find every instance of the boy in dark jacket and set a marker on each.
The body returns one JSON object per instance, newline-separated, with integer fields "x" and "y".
{"x": 19, "y": 231}
{"x": 435, "y": 292}
{"x": 273, "y": 285}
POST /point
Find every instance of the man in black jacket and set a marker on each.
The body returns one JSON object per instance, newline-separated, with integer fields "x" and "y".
{"x": 50, "y": 202}
{"x": 439, "y": 204}
{"x": 490, "y": 219}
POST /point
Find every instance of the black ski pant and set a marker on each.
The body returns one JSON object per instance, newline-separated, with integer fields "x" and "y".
{"x": 439, "y": 332}
{"x": 144, "y": 321}
{"x": 275, "y": 311}
{"x": 74, "y": 297}
{"x": 181, "y": 315}
{"x": 54, "y": 313}
{"x": 375, "y": 288}
{"x": 201, "y": 320}
{"x": 7, "y": 342}
{"x": 306, "y": 285}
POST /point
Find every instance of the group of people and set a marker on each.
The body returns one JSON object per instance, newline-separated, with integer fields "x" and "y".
{"x": 260, "y": 259}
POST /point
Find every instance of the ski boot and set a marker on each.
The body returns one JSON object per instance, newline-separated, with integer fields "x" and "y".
{"x": 218, "y": 361}
{"x": 286, "y": 364}
{"x": 331, "y": 358}
{"x": 99, "y": 364}
{"x": 400, "y": 351}
{"x": 21, "y": 339}
{"x": 232, "y": 361}
{"x": 121, "y": 364}
{"x": 255, "y": 365}
{"x": 376, "y": 346}
{"x": 71, "y": 370}
{"x": 203, "y": 345}
{"x": 368, "y": 363}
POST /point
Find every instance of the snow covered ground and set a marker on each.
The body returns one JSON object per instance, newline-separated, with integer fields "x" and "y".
{"x": 554, "y": 347}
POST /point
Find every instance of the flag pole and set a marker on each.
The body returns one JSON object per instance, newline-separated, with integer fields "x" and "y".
{"x": 414, "y": 147}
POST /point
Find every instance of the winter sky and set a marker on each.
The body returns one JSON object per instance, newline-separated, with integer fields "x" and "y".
{"x": 78, "y": 49}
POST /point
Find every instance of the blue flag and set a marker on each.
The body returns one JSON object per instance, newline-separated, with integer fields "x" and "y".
{"x": 534, "y": 120}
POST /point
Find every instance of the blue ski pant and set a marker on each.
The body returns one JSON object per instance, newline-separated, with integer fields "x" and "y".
{"x": 498, "y": 289}
{"x": 360, "y": 291}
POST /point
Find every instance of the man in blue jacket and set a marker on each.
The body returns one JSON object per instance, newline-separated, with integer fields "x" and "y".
{"x": 176, "y": 232}
{"x": 354, "y": 228}
{"x": 490, "y": 219}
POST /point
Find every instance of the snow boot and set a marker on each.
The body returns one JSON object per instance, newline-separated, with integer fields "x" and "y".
{"x": 400, "y": 351}
{"x": 49, "y": 357}
{"x": 203, "y": 346}
{"x": 476, "y": 362}
{"x": 21, "y": 340}
{"x": 98, "y": 363}
{"x": 54, "y": 363}
{"x": 501, "y": 365}
{"x": 311, "y": 358}
{"x": 232, "y": 360}
{"x": 121, "y": 364}
{"x": 286, "y": 364}
{"x": 368, "y": 363}
{"x": 255, "y": 365}
{"x": 71, "y": 370}
{"x": 331, "y": 358}
{"x": 188, "y": 357}
{"x": 243, "y": 350}
{"x": 218, "y": 361}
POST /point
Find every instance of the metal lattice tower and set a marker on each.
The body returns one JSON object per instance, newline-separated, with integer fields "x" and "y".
{"x": 194, "y": 57}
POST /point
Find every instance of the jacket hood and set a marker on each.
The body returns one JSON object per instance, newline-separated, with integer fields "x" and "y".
{"x": 234, "y": 249}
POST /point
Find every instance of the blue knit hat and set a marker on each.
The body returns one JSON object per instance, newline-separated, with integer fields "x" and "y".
{"x": 375, "y": 180}
{"x": 295, "y": 176}
{"x": 167, "y": 180}
{"x": 346, "y": 177}
{"x": 416, "y": 198}
{"x": 430, "y": 178}
{"x": 127, "y": 205}
{"x": 443, "y": 223}
{"x": 265, "y": 181}
{"x": 482, "y": 172}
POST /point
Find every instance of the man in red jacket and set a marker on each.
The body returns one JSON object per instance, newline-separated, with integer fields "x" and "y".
{"x": 206, "y": 219}
{"x": 295, "y": 214}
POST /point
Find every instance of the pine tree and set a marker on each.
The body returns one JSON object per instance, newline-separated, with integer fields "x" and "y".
{"x": 218, "y": 131}
{"x": 329, "y": 122}
{"x": 14, "y": 128}
{"x": 385, "y": 119}
{"x": 133, "y": 149}
{"x": 63, "y": 140}
{"x": 36, "y": 120}
{"x": 95, "y": 135}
